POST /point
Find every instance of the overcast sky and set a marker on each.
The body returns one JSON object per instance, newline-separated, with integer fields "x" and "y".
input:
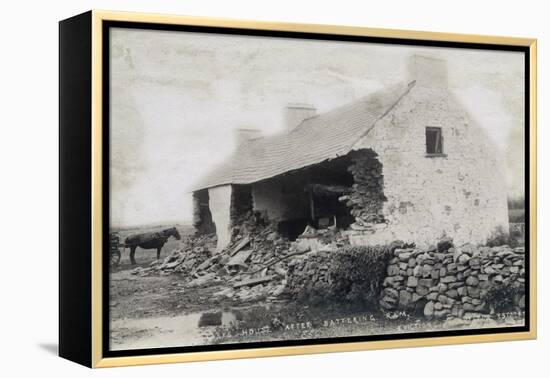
{"x": 176, "y": 98}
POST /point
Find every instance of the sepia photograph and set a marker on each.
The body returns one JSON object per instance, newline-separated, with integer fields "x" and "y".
{"x": 279, "y": 188}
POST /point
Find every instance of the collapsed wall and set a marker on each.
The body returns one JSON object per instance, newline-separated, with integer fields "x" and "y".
{"x": 366, "y": 200}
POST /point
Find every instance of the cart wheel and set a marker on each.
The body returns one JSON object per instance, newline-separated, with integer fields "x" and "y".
{"x": 115, "y": 258}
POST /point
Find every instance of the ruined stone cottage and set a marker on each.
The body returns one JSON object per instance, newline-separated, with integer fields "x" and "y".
{"x": 406, "y": 162}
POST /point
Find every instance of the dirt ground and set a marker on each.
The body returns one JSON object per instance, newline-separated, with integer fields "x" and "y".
{"x": 159, "y": 311}
{"x": 162, "y": 311}
{"x": 140, "y": 307}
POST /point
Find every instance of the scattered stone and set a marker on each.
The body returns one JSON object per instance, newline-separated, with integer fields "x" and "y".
{"x": 202, "y": 280}
{"x": 240, "y": 258}
{"x": 240, "y": 245}
{"x": 253, "y": 282}
{"x": 206, "y": 264}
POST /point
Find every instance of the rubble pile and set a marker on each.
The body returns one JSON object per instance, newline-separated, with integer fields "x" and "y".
{"x": 193, "y": 252}
{"x": 453, "y": 282}
{"x": 367, "y": 196}
{"x": 254, "y": 265}
{"x": 332, "y": 236}
{"x": 309, "y": 273}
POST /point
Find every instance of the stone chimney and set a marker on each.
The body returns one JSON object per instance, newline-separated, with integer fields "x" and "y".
{"x": 428, "y": 71}
{"x": 242, "y": 136}
{"x": 296, "y": 114}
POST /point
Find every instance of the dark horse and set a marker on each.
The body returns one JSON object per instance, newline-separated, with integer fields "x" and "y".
{"x": 150, "y": 240}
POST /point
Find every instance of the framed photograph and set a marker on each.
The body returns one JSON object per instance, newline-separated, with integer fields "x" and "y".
{"x": 235, "y": 189}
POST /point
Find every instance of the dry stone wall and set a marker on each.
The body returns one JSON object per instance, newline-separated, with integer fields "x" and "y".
{"x": 309, "y": 274}
{"x": 454, "y": 282}
{"x": 438, "y": 282}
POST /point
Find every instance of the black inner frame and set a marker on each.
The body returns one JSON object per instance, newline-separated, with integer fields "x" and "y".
{"x": 106, "y": 25}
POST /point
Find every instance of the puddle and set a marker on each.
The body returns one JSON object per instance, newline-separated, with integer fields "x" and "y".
{"x": 198, "y": 328}
{"x": 225, "y": 318}
{"x": 169, "y": 331}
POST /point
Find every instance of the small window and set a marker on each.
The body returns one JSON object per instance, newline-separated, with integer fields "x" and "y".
{"x": 434, "y": 141}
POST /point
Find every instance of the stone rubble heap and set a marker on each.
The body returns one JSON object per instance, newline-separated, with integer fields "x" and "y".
{"x": 439, "y": 282}
{"x": 451, "y": 282}
{"x": 254, "y": 265}
{"x": 191, "y": 254}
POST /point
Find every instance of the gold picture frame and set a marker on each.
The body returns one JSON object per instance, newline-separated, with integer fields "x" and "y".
{"x": 92, "y": 24}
